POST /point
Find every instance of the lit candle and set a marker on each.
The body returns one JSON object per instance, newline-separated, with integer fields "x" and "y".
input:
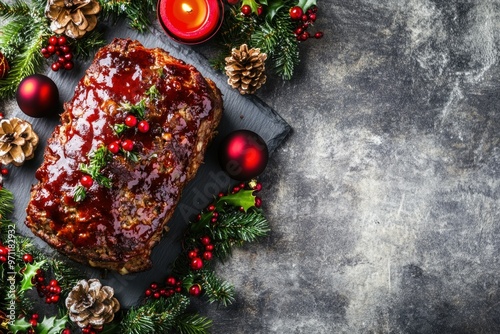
{"x": 190, "y": 21}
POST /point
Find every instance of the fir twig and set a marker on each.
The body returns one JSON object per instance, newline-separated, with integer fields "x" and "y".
{"x": 192, "y": 324}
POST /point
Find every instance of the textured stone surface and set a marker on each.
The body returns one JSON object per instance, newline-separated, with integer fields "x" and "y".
{"x": 384, "y": 202}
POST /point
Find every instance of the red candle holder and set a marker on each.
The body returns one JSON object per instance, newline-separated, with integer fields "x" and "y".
{"x": 190, "y": 21}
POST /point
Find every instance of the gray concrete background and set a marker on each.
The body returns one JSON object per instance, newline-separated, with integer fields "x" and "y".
{"x": 384, "y": 202}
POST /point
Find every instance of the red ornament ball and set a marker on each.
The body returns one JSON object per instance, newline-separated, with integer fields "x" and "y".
{"x": 4, "y": 66}
{"x": 243, "y": 155}
{"x": 38, "y": 96}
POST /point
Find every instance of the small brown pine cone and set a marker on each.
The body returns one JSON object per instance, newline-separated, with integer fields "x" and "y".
{"x": 91, "y": 303}
{"x": 73, "y": 18}
{"x": 18, "y": 141}
{"x": 246, "y": 69}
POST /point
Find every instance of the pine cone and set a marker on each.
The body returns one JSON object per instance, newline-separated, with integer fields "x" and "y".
{"x": 73, "y": 18}
{"x": 90, "y": 303}
{"x": 18, "y": 141}
{"x": 246, "y": 69}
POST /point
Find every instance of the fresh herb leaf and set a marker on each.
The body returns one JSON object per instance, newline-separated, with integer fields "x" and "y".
{"x": 80, "y": 194}
{"x": 153, "y": 92}
{"x": 120, "y": 128}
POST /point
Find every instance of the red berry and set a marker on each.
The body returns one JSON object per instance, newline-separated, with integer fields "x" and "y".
{"x": 61, "y": 60}
{"x": 114, "y": 147}
{"x": 171, "y": 280}
{"x": 130, "y": 121}
{"x": 246, "y": 10}
{"x": 3, "y": 258}
{"x": 66, "y": 331}
{"x": 318, "y": 35}
{"x": 44, "y": 51}
{"x": 54, "y": 299}
{"x": 61, "y": 41}
{"x": 51, "y": 49}
{"x": 86, "y": 181}
{"x": 53, "y": 282}
{"x": 53, "y": 40}
{"x": 312, "y": 17}
{"x": 260, "y": 10}
{"x": 258, "y": 202}
{"x": 304, "y": 18}
{"x": 195, "y": 290}
{"x": 211, "y": 207}
{"x": 205, "y": 240}
{"x": 192, "y": 254}
{"x": 65, "y": 49}
{"x": 4, "y": 171}
{"x": 55, "y": 67}
{"x": 33, "y": 322}
{"x": 28, "y": 258}
{"x": 148, "y": 292}
{"x": 258, "y": 187}
{"x": 68, "y": 56}
{"x": 154, "y": 286}
{"x": 209, "y": 247}
{"x": 143, "y": 126}
{"x": 207, "y": 256}
{"x": 127, "y": 145}
{"x": 304, "y": 36}
{"x": 68, "y": 65}
{"x": 296, "y": 13}
{"x": 1, "y": 115}
{"x": 156, "y": 295}
{"x": 196, "y": 263}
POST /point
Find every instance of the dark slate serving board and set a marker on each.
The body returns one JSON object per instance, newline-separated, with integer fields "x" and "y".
{"x": 241, "y": 112}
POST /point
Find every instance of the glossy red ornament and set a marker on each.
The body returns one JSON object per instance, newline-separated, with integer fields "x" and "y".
{"x": 243, "y": 155}
{"x": 38, "y": 96}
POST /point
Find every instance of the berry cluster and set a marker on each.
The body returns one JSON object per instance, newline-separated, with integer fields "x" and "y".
{"x": 33, "y": 322}
{"x": 4, "y": 253}
{"x": 305, "y": 20}
{"x": 58, "y": 45}
{"x": 197, "y": 256}
{"x": 172, "y": 286}
{"x": 51, "y": 292}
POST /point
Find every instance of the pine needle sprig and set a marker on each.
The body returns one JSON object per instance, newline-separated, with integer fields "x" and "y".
{"x": 216, "y": 290}
{"x": 156, "y": 316}
{"x": 135, "y": 11}
{"x": 192, "y": 324}
{"x": 17, "y": 8}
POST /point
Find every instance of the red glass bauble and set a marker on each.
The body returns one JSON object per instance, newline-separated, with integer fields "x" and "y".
{"x": 243, "y": 155}
{"x": 38, "y": 96}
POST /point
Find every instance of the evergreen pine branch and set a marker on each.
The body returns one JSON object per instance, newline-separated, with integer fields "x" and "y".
{"x": 136, "y": 11}
{"x": 216, "y": 290}
{"x": 192, "y": 324}
{"x": 28, "y": 59}
{"x": 86, "y": 47}
{"x": 156, "y": 316}
{"x": 16, "y": 9}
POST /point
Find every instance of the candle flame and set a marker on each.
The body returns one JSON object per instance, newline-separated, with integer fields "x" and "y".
{"x": 187, "y": 8}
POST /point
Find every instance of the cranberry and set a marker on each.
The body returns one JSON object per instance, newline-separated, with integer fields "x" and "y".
{"x": 127, "y": 145}
{"x": 196, "y": 263}
{"x": 114, "y": 147}
{"x": 143, "y": 126}
{"x": 61, "y": 41}
{"x": 53, "y": 40}
{"x": 28, "y": 258}
{"x": 86, "y": 181}
{"x": 296, "y": 13}
{"x": 205, "y": 240}
{"x": 131, "y": 121}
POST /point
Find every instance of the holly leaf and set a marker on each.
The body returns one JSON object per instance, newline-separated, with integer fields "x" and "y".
{"x": 273, "y": 8}
{"x": 52, "y": 325}
{"x": 305, "y": 4}
{"x": 29, "y": 274}
{"x": 243, "y": 198}
{"x": 19, "y": 326}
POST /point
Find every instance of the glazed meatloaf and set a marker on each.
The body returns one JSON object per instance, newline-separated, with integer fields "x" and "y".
{"x": 107, "y": 187}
